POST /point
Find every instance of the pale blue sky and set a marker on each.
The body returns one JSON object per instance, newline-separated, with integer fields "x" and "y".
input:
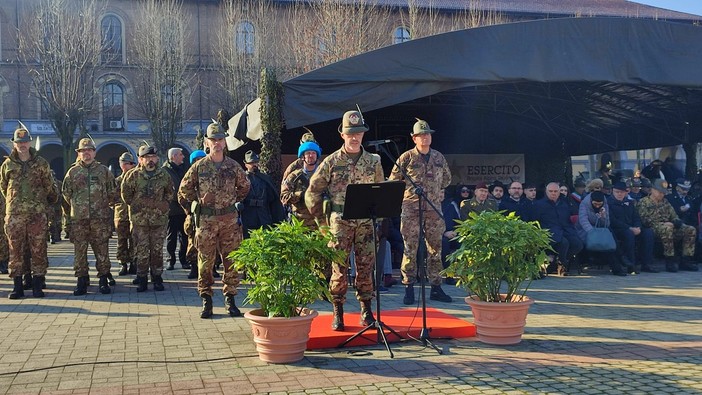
{"x": 688, "y": 6}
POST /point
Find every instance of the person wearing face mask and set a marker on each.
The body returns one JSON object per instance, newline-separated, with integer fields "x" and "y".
{"x": 89, "y": 190}
{"x": 148, "y": 190}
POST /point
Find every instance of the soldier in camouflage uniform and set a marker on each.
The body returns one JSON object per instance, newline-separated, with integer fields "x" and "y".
{"x": 4, "y": 248}
{"x": 125, "y": 241}
{"x": 216, "y": 183}
{"x": 292, "y": 192}
{"x": 148, "y": 190}
{"x": 657, "y": 213}
{"x": 189, "y": 226}
{"x": 299, "y": 163}
{"x": 429, "y": 170}
{"x": 89, "y": 189}
{"x": 28, "y": 189}
{"x": 478, "y": 203}
{"x": 351, "y": 164}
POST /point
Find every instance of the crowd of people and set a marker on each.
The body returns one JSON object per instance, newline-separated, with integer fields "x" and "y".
{"x": 210, "y": 206}
{"x": 639, "y": 212}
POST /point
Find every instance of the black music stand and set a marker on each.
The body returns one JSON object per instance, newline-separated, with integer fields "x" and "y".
{"x": 380, "y": 200}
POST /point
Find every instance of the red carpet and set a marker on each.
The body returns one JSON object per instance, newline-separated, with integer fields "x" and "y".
{"x": 440, "y": 325}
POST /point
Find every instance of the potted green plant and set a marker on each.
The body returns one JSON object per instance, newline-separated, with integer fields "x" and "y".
{"x": 285, "y": 266}
{"x": 497, "y": 258}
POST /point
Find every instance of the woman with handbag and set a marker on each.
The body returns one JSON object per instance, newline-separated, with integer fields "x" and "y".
{"x": 593, "y": 230}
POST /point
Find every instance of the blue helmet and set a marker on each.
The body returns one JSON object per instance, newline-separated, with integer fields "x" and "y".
{"x": 197, "y": 154}
{"x": 309, "y": 146}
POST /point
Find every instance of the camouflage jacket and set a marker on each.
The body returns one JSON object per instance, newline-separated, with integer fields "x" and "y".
{"x": 297, "y": 164}
{"x": 473, "y": 204}
{"x": 228, "y": 184}
{"x": 28, "y": 187}
{"x": 121, "y": 208}
{"x": 333, "y": 175}
{"x": 292, "y": 193}
{"x": 148, "y": 196}
{"x": 89, "y": 191}
{"x": 653, "y": 213}
{"x": 432, "y": 176}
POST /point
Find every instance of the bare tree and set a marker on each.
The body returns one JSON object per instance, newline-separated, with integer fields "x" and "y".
{"x": 327, "y": 31}
{"x": 61, "y": 45}
{"x": 244, "y": 45}
{"x": 423, "y": 18}
{"x": 161, "y": 32}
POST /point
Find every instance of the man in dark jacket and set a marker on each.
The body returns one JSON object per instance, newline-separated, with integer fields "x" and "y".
{"x": 626, "y": 225}
{"x": 262, "y": 206}
{"x": 176, "y": 216}
{"x": 553, "y": 214}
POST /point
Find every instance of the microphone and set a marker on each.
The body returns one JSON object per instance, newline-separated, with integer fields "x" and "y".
{"x": 376, "y": 143}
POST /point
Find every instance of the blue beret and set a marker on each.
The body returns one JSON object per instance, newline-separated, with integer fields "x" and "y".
{"x": 197, "y": 154}
{"x": 309, "y": 146}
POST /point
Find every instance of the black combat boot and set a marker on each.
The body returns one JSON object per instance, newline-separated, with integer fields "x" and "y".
{"x": 81, "y": 286}
{"x": 670, "y": 264}
{"x": 37, "y": 282}
{"x": 18, "y": 290}
{"x": 171, "y": 265}
{"x": 132, "y": 267}
{"x": 214, "y": 272}
{"x": 111, "y": 280}
{"x": 158, "y": 282}
{"x": 229, "y": 304}
{"x": 3, "y": 267}
{"x": 206, "y": 306}
{"x": 366, "y": 313}
{"x": 124, "y": 270}
{"x": 193, "y": 271}
{"x": 687, "y": 264}
{"x": 438, "y": 294}
{"x": 409, "y": 294}
{"x": 185, "y": 264}
{"x": 27, "y": 283}
{"x": 104, "y": 285}
{"x": 338, "y": 317}
{"x": 142, "y": 281}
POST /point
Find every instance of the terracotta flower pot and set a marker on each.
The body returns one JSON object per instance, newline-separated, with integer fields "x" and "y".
{"x": 500, "y": 323}
{"x": 279, "y": 339}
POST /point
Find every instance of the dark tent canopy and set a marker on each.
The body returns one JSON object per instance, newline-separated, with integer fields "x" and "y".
{"x": 578, "y": 85}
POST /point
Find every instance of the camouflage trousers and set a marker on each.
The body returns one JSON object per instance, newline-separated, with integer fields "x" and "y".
{"x": 27, "y": 232}
{"x": 4, "y": 246}
{"x": 148, "y": 249}
{"x": 433, "y": 231}
{"x": 96, "y": 233}
{"x": 125, "y": 242}
{"x": 356, "y": 235}
{"x": 217, "y": 236}
{"x": 191, "y": 252}
{"x": 668, "y": 235}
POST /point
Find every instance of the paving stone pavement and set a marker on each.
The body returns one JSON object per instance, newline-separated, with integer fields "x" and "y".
{"x": 589, "y": 334}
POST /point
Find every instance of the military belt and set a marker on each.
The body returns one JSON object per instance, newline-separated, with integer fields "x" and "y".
{"x": 217, "y": 211}
{"x": 338, "y": 208}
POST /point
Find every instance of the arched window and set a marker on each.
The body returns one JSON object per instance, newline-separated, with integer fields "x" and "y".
{"x": 112, "y": 106}
{"x": 401, "y": 35}
{"x": 245, "y": 38}
{"x": 111, "y": 29}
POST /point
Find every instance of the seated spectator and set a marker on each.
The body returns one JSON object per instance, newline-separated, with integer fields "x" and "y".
{"x": 635, "y": 192}
{"x": 530, "y": 191}
{"x": 594, "y": 185}
{"x": 657, "y": 214}
{"x": 497, "y": 191}
{"x": 626, "y": 225}
{"x": 686, "y": 208}
{"x": 553, "y": 214}
{"x": 517, "y": 203}
{"x": 563, "y": 189}
{"x": 594, "y": 212}
{"x": 575, "y": 197}
{"x": 478, "y": 203}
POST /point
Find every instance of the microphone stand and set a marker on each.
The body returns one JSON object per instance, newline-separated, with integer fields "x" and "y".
{"x": 424, "y": 337}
